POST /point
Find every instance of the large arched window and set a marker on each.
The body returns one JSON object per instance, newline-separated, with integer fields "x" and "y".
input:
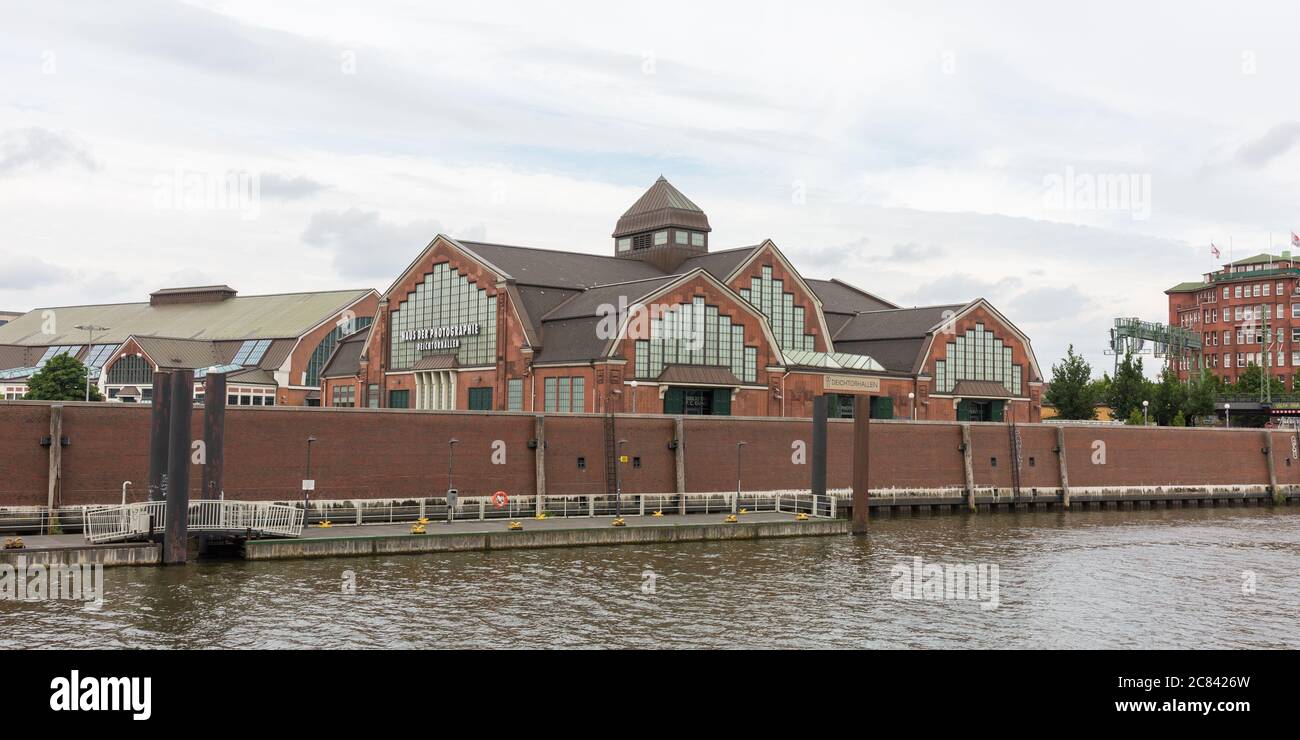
{"x": 130, "y": 370}
{"x": 322, "y": 353}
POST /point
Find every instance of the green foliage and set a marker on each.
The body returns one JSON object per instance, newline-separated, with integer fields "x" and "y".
{"x": 63, "y": 378}
{"x": 1201, "y": 395}
{"x": 1251, "y": 381}
{"x": 1179, "y": 420}
{"x": 1129, "y": 388}
{"x": 1072, "y": 391}
{"x": 1135, "y": 418}
{"x": 1168, "y": 399}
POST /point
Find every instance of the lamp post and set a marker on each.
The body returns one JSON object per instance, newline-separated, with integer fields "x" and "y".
{"x": 306, "y": 492}
{"x": 90, "y": 330}
{"x": 735, "y": 505}
{"x": 125, "y": 484}
{"x": 911, "y": 404}
{"x": 1227, "y": 414}
{"x": 451, "y": 491}
{"x": 618, "y": 481}
{"x": 1144, "y": 412}
{"x": 634, "y": 384}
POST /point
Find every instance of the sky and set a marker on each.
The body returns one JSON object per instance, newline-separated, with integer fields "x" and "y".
{"x": 1067, "y": 162}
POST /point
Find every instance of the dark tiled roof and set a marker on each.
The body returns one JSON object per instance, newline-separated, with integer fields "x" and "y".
{"x": 571, "y": 340}
{"x": 345, "y": 361}
{"x": 840, "y": 297}
{"x": 589, "y": 302}
{"x": 662, "y": 205}
{"x": 719, "y": 264}
{"x": 254, "y": 376}
{"x": 572, "y": 270}
{"x": 897, "y": 323}
{"x": 981, "y": 388}
{"x": 186, "y": 354}
{"x": 896, "y": 355}
{"x": 697, "y": 375}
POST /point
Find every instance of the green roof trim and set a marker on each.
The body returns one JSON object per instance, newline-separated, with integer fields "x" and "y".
{"x": 1188, "y": 287}
{"x": 1260, "y": 259}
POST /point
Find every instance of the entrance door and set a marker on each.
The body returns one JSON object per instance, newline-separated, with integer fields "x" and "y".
{"x": 973, "y": 409}
{"x": 698, "y": 401}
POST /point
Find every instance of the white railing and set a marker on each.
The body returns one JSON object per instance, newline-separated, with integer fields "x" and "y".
{"x": 109, "y": 523}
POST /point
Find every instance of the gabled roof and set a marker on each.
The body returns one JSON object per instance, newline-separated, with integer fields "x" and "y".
{"x": 285, "y": 315}
{"x": 662, "y": 205}
{"x": 345, "y": 360}
{"x": 895, "y": 323}
{"x": 838, "y": 296}
{"x": 557, "y": 269}
{"x": 720, "y": 264}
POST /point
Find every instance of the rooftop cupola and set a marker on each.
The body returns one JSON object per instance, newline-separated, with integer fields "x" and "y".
{"x": 663, "y": 228}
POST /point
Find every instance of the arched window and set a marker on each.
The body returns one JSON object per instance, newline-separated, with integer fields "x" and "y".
{"x": 131, "y": 370}
{"x": 322, "y": 353}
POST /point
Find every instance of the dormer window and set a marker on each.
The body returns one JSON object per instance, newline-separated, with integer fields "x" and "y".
{"x": 697, "y": 239}
{"x": 624, "y": 244}
{"x": 680, "y": 236}
{"x": 661, "y": 237}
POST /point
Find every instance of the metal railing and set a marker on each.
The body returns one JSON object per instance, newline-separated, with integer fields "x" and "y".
{"x": 109, "y": 523}
{"x": 481, "y": 508}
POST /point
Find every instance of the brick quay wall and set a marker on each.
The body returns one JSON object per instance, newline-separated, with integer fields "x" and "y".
{"x": 388, "y": 454}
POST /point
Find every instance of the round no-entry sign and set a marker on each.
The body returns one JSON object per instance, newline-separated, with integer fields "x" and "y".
{"x": 500, "y": 499}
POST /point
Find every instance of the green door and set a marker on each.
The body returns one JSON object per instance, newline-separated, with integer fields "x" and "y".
{"x": 721, "y": 402}
{"x": 963, "y": 410}
{"x": 675, "y": 401}
{"x": 997, "y": 409}
{"x": 882, "y": 407}
{"x": 480, "y": 399}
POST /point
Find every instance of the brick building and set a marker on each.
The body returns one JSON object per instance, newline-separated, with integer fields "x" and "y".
{"x": 1247, "y": 312}
{"x": 664, "y": 324}
{"x": 272, "y": 347}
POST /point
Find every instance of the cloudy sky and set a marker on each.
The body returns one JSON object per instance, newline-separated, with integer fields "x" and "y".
{"x": 1066, "y": 161}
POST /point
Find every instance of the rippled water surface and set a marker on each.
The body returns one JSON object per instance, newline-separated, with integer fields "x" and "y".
{"x": 1086, "y": 579}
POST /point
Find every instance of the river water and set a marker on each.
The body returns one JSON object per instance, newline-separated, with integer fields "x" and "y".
{"x": 1179, "y": 578}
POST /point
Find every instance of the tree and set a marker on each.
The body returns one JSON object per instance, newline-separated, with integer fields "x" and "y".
{"x": 63, "y": 378}
{"x": 1252, "y": 380}
{"x": 1201, "y": 395}
{"x": 1135, "y": 418}
{"x": 1170, "y": 398}
{"x": 1129, "y": 388}
{"x": 1072, "y": 391}
{"x": 1179, "y": 420}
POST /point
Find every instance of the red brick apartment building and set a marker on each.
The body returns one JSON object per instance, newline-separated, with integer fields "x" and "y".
{"x": 664, "y": 324}
{"x": 1247, "y": 312}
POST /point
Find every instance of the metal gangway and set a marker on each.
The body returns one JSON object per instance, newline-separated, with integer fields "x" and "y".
{"x": 129, "y": 521}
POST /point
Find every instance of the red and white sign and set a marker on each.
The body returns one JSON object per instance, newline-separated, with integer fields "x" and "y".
{"x": 500, "y": 499}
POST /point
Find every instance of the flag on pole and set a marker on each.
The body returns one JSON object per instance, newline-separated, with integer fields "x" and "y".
{"x": 1214, "y": 250}
{"x": 1295, "y": 239}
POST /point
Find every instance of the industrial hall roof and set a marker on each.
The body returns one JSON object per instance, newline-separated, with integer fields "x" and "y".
{"x": 286, "y": 315}
{"x": 662, "y": 205}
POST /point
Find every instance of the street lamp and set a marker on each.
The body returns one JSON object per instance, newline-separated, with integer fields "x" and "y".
{"x": 306, "y": 492}
{"x": 618, "y": 481}
{"x": 90, "y": 330}
{"x": 911, "y": 404}
{"x": 451, "y": 491}
{"x": 125, "y": 484}
{"x": 735, "y": 505}
{"x": 634, "y": 384}
{"x": 1144, "y": 412}
{"x": 1227, "y": 414}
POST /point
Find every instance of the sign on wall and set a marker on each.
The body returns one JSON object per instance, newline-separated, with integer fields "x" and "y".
{"x": 439, "y": 337}
{"x": 850, "y": 384}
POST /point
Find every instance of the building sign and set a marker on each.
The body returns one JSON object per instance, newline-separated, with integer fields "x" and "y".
{"x": 850, "y": 384}
{"x": 439, "y": 337}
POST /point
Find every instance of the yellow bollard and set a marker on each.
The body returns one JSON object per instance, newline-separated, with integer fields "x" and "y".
{"x": 618, "y": 523}
{"x": 417, "y": 528}
{"x": 326, "y": 524}
{"x": 515, "y": 526}
{"x": 657, "y": 514}
{"x": 801, "y": 517}
{"x": 731, "y": 519}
